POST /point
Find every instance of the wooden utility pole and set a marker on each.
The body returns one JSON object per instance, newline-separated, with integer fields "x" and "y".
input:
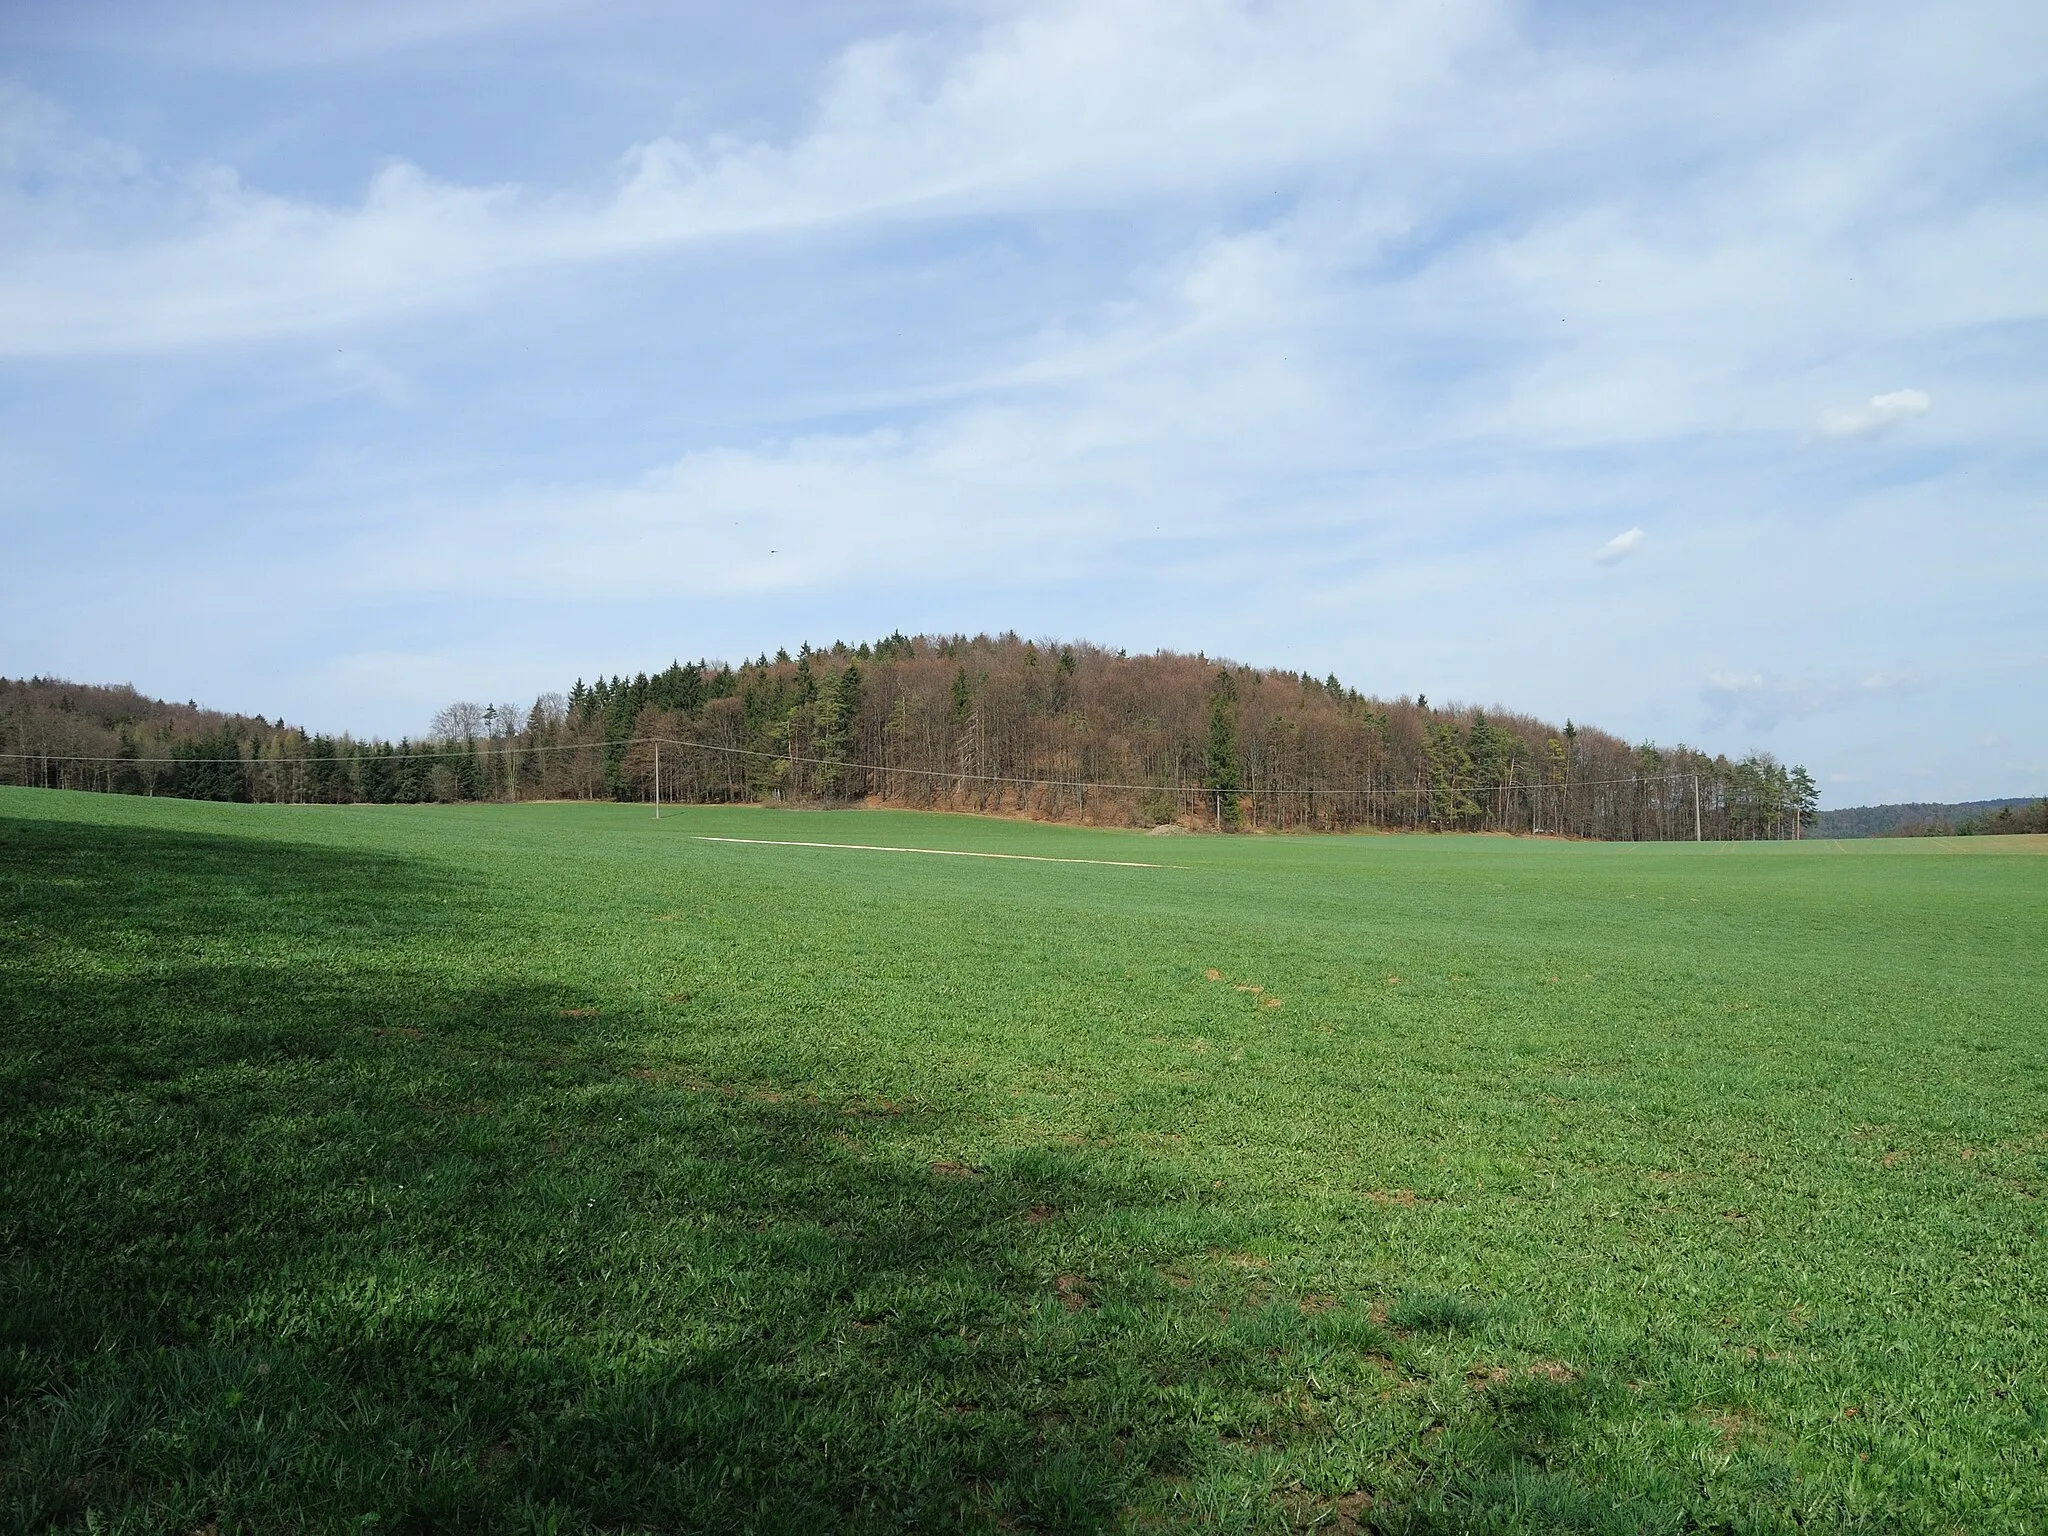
{"x": 1696, "y": 835}
{"x": 657, "y": 781}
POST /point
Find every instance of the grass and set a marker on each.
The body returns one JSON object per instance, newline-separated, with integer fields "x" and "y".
{"x": 545, "y": 1168}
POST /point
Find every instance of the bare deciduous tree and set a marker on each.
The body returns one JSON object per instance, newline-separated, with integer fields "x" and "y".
{"x": 460, "y": 721}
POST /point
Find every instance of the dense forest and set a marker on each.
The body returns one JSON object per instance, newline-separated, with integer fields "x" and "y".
{"x": 990, "y": 724}
{"x": 1966, "y": 818}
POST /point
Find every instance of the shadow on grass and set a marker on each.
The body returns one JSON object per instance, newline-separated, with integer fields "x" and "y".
{"x": 304, "y": 1223}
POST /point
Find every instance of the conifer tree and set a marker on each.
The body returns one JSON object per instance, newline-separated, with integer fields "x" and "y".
{"x": 621, "y": 711}
{"x": 210, "y": 768}
{"x": 1805, "y": 798}
{"x": 838, "y": 733}
{"x": 1450, "y": 776}
{"x": 1222, "y": 777}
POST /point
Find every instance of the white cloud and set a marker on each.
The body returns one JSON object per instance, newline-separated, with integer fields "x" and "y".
{"x": 1763, "y": 700}
{"x": 1153, "y": 427}
{"x": 1069, "y": 103}
{"x": 37, "y": 139}
{"x": 1635, "y": 303}
{"x": 1649, "y": 294}
{"x": 1620, "y": 547}
{"x": 1882, "y": 411}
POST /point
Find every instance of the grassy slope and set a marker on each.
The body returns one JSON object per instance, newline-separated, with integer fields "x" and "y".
{"x": 1668, "y": 1186}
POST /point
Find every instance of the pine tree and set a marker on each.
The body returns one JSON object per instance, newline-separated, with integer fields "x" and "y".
{"x": 1805, "y": 799}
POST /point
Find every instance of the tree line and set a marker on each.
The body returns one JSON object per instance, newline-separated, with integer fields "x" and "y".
{"x": 1995, "y": 819}
{"x": 62, "y": 735}
{"x": 985, "y": 723}
{"x": 1969, "y": 818}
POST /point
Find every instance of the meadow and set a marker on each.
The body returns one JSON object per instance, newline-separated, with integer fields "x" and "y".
{"x": 552, "y": 1168}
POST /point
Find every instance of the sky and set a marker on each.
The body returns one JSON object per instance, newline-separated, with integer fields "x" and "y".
{"x": 1678, "y": 369}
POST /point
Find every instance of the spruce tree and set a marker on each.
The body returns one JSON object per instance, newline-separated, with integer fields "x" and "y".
{"x": 1222, "y": 780}
{"x": 621, "y": 710}
{"x": 839, "y": 734}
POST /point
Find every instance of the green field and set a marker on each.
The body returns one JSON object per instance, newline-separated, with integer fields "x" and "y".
{"x": 548, "y": 1168}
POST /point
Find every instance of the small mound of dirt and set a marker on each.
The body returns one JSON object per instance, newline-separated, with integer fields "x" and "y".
{"x": 1343, "y": 1515}
{"x": 1734, "y": 1426}
{"x": 1170, "y": 829}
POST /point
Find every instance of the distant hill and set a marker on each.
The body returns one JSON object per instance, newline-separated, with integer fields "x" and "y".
{"x": 1918, "y": 818}
{"x": 998, "y": 724}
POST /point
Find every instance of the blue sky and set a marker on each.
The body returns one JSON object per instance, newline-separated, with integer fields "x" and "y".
{"x": 1682, "y": 370}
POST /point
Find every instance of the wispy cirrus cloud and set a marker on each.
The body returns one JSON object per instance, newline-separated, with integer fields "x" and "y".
{"x": 1064, "y": 105}
{"x": 1044, "y": 110}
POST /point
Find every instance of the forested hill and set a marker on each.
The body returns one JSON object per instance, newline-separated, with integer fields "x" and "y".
{"x": 995, "y": 724}
{"x": 87, "y": 736}
{"x": 1920, "y": 819}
